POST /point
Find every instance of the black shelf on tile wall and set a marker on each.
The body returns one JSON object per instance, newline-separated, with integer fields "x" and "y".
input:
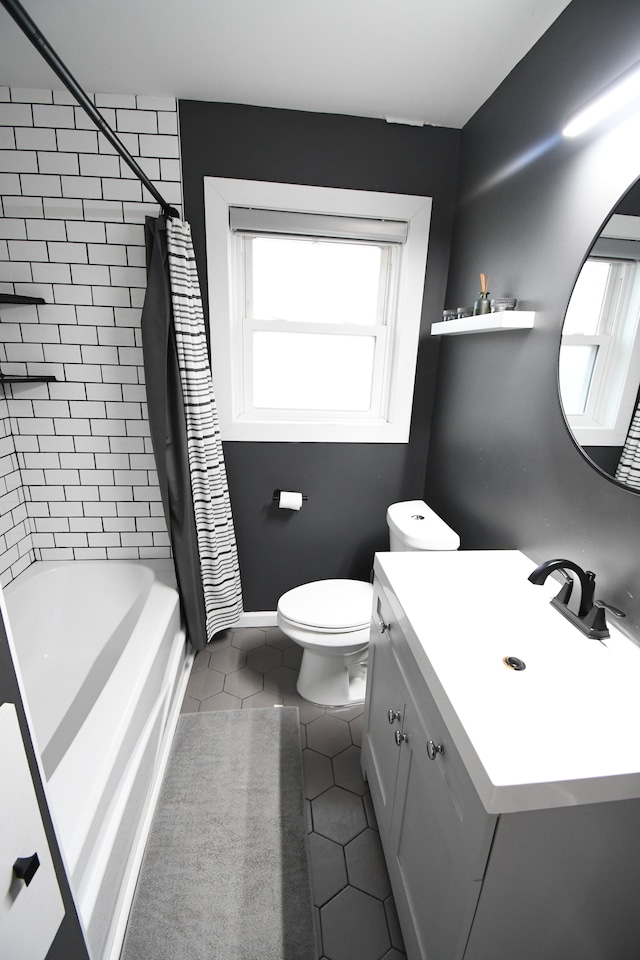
{"x": 9, "y": 378}
{"x": 17, "y": 299}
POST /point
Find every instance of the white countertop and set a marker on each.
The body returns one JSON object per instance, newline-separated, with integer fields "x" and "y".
{"x": 566, "y": 730}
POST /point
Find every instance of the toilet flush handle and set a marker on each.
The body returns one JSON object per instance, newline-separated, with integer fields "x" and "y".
{"x": 382, "y": 626}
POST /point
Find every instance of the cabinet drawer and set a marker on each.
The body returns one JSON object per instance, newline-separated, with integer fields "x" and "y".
{"x": 466, "y": 826}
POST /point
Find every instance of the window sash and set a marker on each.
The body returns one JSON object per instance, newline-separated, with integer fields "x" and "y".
{"x": 376, "y": 410}
{"x": 386, "y": 301}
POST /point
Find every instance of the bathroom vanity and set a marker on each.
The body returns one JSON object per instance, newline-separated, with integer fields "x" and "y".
{"x": 507, "y": 799}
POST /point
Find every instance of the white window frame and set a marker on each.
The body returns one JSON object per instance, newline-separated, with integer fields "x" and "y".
{"x": 612, "y": 393}
{"x": 236, "y": 423}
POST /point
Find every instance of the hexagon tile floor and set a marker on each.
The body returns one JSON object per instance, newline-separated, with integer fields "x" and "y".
{"x": 355, "y": 913}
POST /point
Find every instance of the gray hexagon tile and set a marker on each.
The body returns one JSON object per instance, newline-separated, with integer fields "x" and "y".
{"x": 276, "y": 638}
{"x": 227, "y": 659}
{"x": 356, "y": 725}
{"x": 264, "y": 658}
{"x": 354, "y": 927}
{"x": 292, "y": 656}
{"x": 189, "y": 705}
{"x": 318, "y": 775}
{"x": 366, "y": 865}
{"x": 308, "y": 711}
{"x": 222, "y": 639}
{"x": 347, "y": 772}
{"x": 248, "y": 638}
{"x": 261, "y": 699}
{"x": 328, "y": 735}
{"x": 282, "y": 679}
{"x": 201, "y": 660}
{"x": 328, "y": 872}
{"x": 347, "y": 713}
{"x": 243, "y": 683}
{"x": 338, "y": 815}
{"x": 221, "y": 701}
{"x": 205, "y": 683}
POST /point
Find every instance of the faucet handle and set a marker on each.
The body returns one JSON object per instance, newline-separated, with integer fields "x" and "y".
{"x": 596, "y": 621}
{"x": 610, "y": 608}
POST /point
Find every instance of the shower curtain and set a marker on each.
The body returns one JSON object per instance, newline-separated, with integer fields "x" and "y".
{"x": 185, "y": 434}
{"x": 628, "y": 470}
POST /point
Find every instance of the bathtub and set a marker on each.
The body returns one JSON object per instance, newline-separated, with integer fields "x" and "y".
{"x": 103, "y": 661}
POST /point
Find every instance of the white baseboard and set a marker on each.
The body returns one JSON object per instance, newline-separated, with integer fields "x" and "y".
{"x": 258, "y": 618}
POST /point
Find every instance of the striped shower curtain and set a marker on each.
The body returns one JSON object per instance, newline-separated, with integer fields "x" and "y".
{"x": 185, "y": 434}
{"x": 628, "y": 470}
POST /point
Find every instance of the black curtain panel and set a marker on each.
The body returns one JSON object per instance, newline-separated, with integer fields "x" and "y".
{"x": 168, "y": 430}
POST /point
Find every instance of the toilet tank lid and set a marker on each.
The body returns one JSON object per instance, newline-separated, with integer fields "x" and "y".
{"x": 332, "y": 604}
{"x": 420, "y": 528}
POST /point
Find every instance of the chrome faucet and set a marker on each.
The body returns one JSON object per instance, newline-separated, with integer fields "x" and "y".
{"x": 587, "y": 614}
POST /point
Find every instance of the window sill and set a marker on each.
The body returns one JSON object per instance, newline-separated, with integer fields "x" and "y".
{"x": 290, "y": 431}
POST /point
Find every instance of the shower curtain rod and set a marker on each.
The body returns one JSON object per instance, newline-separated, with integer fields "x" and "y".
{"x": 29, "y": 28}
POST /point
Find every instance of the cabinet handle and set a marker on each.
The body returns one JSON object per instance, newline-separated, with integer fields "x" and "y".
{"x": 25, "y": 868}
{"x": 401, "y": 738}
{"x": 394, "y": 715}
{"x": 433, "y": 749}
{"x": 382, "y": 626}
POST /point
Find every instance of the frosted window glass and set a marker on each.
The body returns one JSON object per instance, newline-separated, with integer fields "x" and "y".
{"x": 577, "y": 362}
{"x": 312, "y": 371}
{"x": 317, "y": 281}
{"x": 585, "y": 306}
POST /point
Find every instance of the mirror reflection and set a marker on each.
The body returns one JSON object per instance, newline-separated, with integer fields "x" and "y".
{"x": 599, "y": 364}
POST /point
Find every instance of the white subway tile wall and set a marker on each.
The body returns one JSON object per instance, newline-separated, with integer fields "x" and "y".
{"x": 77, "y": 474}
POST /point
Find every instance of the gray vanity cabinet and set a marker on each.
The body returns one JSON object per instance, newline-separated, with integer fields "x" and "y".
{"x": 435, "y": 833}
{"x": 471, "y": 885}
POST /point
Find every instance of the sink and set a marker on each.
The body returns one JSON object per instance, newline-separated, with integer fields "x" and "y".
{"x": 562, "y": 730}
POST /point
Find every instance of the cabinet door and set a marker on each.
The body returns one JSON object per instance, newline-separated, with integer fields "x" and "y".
{"x": 380, "y": 750}
{"x": 434, "y": 892}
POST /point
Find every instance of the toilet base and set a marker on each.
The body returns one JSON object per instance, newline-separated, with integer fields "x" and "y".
{"x": 333, "y": 681}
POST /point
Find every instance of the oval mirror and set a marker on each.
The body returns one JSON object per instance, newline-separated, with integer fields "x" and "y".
{"x": 599, "y": 363}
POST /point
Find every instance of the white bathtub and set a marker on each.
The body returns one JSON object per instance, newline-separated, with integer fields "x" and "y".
{"x": 104, "y": 662}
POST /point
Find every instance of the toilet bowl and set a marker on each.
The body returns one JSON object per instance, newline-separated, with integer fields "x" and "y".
{"x": 331, "y": 619}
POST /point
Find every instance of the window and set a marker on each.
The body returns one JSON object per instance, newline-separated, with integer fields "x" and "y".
{"x": 315, "y": 300}
{"x": 599, "y": 359}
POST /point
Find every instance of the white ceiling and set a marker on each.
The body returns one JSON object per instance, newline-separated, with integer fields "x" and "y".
{"x": 424, "y": 61}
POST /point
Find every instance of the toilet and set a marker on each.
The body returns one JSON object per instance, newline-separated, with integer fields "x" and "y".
{"x": 331, "y": 619}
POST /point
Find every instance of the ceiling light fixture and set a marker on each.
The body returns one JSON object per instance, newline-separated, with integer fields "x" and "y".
{"x": 619, "y": 94}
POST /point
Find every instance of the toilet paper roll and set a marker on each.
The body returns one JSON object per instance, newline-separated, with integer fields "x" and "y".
{"x": 290, "y": 500}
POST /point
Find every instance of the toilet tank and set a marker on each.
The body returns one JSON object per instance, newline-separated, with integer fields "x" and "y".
{"x": 414, "y": 526}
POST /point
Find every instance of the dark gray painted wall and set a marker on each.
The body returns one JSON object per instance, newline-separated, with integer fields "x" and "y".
{"x": 502, "y": 467}
{"x": 349, "y": 486}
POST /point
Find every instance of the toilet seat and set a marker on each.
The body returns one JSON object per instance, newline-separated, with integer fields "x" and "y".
{"x": 329, "y": 606}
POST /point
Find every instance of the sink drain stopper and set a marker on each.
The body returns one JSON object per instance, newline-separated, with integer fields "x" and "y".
{"x": 515, "y": 663}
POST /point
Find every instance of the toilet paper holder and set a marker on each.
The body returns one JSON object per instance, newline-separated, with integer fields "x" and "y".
{"x": 276, "y": 496}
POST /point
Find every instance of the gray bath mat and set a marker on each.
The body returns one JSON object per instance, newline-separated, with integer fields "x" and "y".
{"x": 225, "y": 875}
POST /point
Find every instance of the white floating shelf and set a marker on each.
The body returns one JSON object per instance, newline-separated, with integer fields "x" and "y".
{"x": 485, "y": 323}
